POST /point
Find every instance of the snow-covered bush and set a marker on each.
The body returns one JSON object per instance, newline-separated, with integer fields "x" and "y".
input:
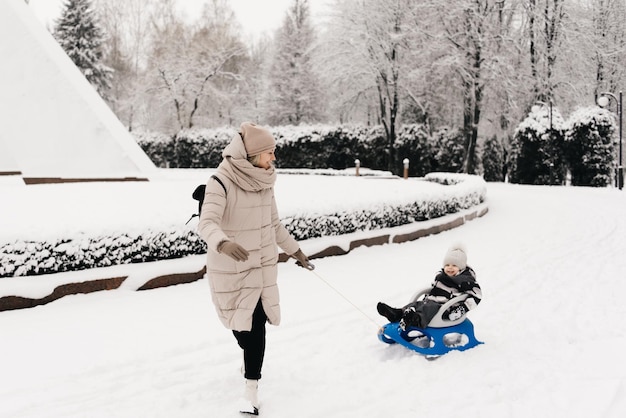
{"x": 493, "y": 159}
{"x": 464, "y": 192}
{"x": 24, "y": 258}
{"x": 314, "y": 147}
{"x": 189, "y": 148}
{"x": 536, "y": 155}
{"x": 157, "y": 146}
{"x": 318, "y": 146}
{"x": 200, "y": 148}
{"x": 469, "y": 189}
{"x": 590, "y": 146}
{"x": 450, "y": 150}
{"x": 414, "y": 142}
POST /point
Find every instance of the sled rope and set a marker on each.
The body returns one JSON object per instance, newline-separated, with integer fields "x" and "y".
{"x": 344, "y": 297}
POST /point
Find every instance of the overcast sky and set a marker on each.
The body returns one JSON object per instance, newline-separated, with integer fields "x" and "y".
{"x": 256, "y": 16}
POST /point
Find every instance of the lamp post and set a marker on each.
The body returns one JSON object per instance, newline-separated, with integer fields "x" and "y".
{"x": 603, "y": 101}
{"x": 405, "y": 162}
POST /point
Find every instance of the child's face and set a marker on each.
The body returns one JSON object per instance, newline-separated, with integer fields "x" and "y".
{"x": 451, "y": 269}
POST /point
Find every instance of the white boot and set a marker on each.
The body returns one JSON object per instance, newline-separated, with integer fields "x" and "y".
{"x": 250, "y": 405}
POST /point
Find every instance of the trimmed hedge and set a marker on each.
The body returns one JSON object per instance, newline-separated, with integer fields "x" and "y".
{"x": 27, "y": 258}
{"x": 313, "y": 147}
{"x": 388, "y": 216}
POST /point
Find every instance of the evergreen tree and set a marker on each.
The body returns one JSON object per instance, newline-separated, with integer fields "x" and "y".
{"x": 78, "y": 32}
{"x": 537, "y": 149}
{"x": 413, "y": 143}
{"x": 590, "y": 146}
{"x": 450, "y": 150}
{"x": 493, "y": 160}
{"x": 294, "y": 94}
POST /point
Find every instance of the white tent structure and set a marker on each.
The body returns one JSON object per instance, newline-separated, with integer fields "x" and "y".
{"x": 9, "y": 170}
{"x": 54, "y": 125}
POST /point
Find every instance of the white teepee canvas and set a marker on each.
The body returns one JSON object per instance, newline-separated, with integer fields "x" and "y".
{"x": 55, "y": 125}
{"x": 9, "y": 170}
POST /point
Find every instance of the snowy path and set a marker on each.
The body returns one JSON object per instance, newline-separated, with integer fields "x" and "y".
{"x": 551, "y": 264}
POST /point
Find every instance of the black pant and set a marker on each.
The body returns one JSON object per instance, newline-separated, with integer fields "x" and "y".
{"x": 253, "y": 343}
{"x": 422, "y": 313}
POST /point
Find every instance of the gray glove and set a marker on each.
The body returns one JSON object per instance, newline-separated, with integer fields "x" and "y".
{"x": 233, "y": 250}
{"x": 302, "y": 260}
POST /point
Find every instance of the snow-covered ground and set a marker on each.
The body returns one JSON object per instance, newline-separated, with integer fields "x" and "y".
{"x": 550, "y": 261}
{"x": 41, "y": 212}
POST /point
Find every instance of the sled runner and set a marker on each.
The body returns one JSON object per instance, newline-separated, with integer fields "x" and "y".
{"x": 438, "y": 338}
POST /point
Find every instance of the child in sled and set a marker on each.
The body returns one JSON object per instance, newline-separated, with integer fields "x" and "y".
{"x": 454, "y": 279}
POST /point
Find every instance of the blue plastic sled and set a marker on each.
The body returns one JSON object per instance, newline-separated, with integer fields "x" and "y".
{"x": 431, "y": 342}
{"x": 438, "y": 338}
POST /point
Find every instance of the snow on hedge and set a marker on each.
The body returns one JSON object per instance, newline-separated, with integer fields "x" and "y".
{"x": 468, "y": 191}
{"x": 327, "y": 212}
{"x": 25, "y": 258}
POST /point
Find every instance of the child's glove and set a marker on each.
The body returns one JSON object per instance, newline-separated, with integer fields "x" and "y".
{"x": 233, "y": 250}
{"x": 456, "y": 312}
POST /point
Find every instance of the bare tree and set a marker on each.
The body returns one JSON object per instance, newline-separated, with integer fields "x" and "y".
{"x": 470, "y": 33}
{"x": 368, "y": 55}
{"x": 545, "y": 28}
{"x": 127, "y": 23}
{"x": 188, "y": 61}
{"x": 343, "y": 66}
{"x": 294, "y": 92}
{"x": 251, "y": 94}
{"x": 609, "y": 39}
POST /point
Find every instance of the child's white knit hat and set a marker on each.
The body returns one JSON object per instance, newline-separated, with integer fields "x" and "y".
{"x": 456, "y": 255}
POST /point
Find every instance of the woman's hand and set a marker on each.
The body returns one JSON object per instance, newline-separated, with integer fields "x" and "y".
{"x": 302, "y": 260}
{"x": 233, "y": 250}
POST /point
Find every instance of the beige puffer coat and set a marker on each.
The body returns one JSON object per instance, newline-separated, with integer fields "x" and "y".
{"x": 247, "y": 215}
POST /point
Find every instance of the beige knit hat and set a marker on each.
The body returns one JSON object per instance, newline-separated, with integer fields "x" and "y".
{"x": 256, "y": 139}
{"x": 456, "y": 255}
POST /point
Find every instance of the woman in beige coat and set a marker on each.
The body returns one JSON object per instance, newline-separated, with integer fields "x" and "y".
{"x": 240, "y": 224}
